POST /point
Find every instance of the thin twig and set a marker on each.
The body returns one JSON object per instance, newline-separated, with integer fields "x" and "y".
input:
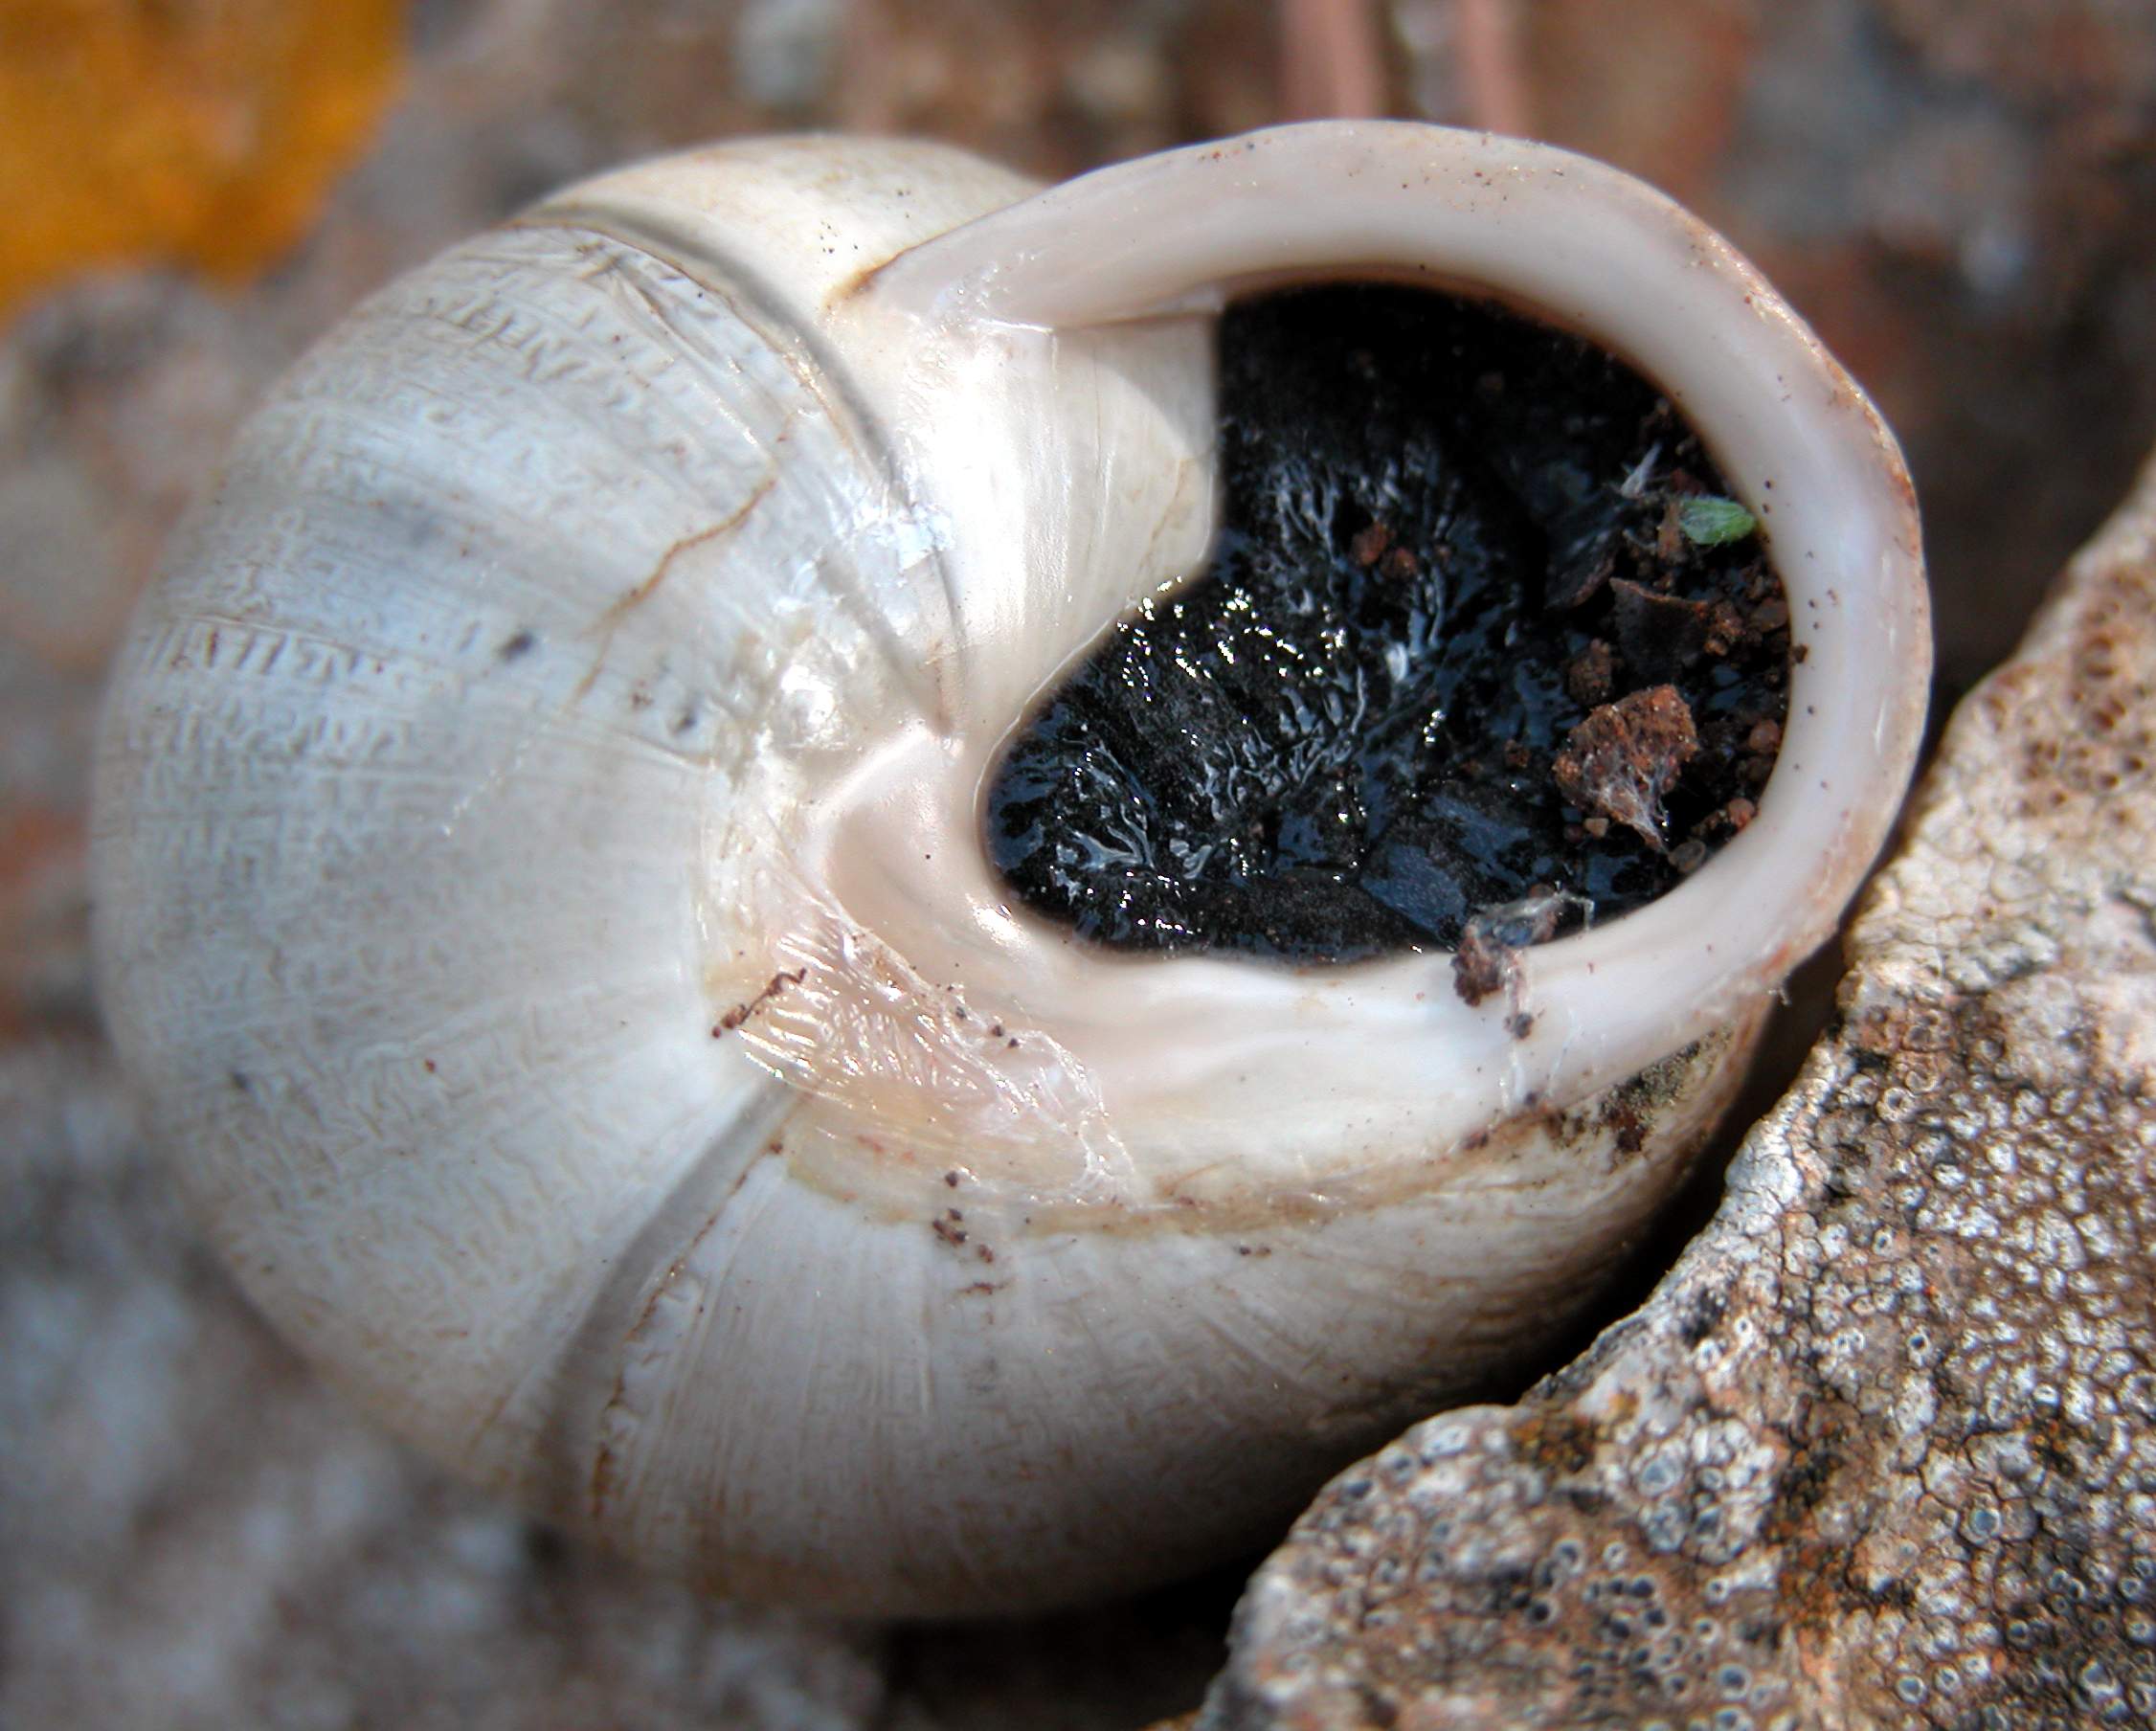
{"x": 1493, "y": 82}
{"x": 1330, "y": 67}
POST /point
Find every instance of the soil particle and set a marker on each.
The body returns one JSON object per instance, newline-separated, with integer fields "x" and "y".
{"x": 1625, "y": 755}
{"x": 1484, "y": 962}
{"x": 1661, "y": 635}
{"x": 741, "y": 1012}
{"x": 1480, "y": 966}
{"x": 1587, "y": 677}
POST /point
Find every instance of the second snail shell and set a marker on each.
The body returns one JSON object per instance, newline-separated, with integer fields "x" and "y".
{"x": 541, "y": 902}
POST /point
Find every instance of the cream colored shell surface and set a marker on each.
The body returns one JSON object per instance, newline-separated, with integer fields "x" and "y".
{"x": 540, "y": 903}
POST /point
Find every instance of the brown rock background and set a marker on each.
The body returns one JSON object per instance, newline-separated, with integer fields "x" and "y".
{"x": 1960, "y": 196}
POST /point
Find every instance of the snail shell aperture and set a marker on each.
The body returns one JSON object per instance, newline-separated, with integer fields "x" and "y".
{"x": 541, "y": 898}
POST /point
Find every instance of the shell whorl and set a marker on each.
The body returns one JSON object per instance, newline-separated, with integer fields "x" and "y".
{"x": 540, "y": 898}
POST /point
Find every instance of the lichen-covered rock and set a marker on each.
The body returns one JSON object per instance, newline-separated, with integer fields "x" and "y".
{"x": 1881, "y": 1450}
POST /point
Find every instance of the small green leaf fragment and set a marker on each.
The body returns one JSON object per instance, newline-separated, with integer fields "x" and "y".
{"x": 1715, "y": 522}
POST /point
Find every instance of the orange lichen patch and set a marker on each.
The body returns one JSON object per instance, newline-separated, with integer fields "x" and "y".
{"x": 196, "y": 131}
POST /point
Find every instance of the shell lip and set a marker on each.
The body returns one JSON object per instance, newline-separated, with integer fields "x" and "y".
{"x": 1583, "y": 245}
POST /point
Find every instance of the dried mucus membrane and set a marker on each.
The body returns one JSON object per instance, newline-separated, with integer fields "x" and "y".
{"x": 1480, "y": 623}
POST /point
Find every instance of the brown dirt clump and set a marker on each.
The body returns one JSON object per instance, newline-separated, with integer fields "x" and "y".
{"x": 1625, "y": 755}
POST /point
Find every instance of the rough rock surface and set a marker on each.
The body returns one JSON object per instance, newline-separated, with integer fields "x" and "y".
{"x": 1881, "y": 1450}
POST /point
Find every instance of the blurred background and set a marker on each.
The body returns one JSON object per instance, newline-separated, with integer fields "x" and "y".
{"x": 1960, "y": 194}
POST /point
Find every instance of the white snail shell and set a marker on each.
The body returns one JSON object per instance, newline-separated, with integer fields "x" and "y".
{"x": 541, "y": 901}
